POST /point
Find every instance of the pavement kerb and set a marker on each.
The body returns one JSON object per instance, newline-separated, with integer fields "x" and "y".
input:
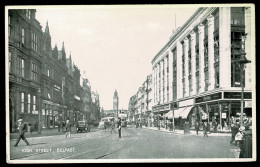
{"x": 181, "y": 132}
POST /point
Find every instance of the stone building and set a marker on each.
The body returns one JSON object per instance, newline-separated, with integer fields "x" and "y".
{"x": 196, "y": 75}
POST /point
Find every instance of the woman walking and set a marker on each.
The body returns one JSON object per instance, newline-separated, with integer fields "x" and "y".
{"x": 205, "y": 129}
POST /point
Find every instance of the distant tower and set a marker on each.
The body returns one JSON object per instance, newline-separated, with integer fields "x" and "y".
{"x": 115, "y": 104}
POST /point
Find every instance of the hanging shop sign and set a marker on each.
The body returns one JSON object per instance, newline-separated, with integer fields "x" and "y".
{"x": 161, "y": 107}
{"x": 208, "y": 97}
{"x": 237, "y": 95}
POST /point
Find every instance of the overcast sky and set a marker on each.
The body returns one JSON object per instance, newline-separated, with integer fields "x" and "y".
{"x": 113, "y": 44}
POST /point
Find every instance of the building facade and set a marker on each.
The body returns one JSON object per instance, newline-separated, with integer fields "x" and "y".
{"x": 196, "y": 77}
{"x": 44, "y": 85}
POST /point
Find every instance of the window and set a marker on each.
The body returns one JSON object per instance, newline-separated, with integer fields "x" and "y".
{"x": 197, "y": 83}
{"x": 28, "y": 13}
{"x": 48, "y": 72}
{"x": 22, "y": 102}
{"x": 34, "y": 74}
{"x": 9, "y": 26}
{"x": 237, "y": 16}
{"x": 217, "y": 77}
{"x": 29, "y": 103}
{"x": 206, "y": 80}
{"x": 22, "y": 35}
{"x": 34, "y": 103}
{"x": 20, "y": 67}
{"x": 10, "y": 61}
{"x": 34, "y": 42}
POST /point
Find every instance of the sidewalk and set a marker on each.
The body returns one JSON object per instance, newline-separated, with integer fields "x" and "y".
{"x": 181, "y": 132}
{"x": 46, "y": 132}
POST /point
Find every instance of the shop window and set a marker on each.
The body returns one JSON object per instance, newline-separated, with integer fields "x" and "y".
{"x": 22, "y": 102}
{"x": 29, "y": 103}
{"x": 34, "y": 104}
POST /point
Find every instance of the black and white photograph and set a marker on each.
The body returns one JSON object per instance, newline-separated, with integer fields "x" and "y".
{"x": 130, "y": 83}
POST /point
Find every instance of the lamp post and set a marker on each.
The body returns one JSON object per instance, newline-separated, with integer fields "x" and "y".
{"x": 39, "y": 111}
{"x": 242, "y": 61}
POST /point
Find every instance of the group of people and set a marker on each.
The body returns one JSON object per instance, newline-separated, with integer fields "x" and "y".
{"x": 22, "y": 127}
{"x": 113, "y": 125}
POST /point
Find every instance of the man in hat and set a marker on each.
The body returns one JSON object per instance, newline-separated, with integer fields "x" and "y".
{"x": 21, "y": 127}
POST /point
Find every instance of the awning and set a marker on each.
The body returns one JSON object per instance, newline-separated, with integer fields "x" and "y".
{"x": 168, "y": 113}
{"x": 185, "y": 112}
{"x": 176, "y": 113}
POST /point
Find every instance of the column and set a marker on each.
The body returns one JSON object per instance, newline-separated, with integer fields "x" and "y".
{"x": 153, "y": 79}
{"x": 201, "y": 58}
{"x": 170, "y": 58}
{"x": 165, "y": 79}
{"x": 186, "y": 54}
{"x": 193, "y": 62}
{"x": 179, "y": 70}
{"x": 161, "y": 81}
{"x": 248, "y": 48}
{"x": 224, "y": 47}
{"x": 211, "y": 52}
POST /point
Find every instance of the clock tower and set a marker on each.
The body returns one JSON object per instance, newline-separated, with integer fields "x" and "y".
{"x": 115, "y": 104}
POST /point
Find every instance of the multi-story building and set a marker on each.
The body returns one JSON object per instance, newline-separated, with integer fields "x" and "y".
{"x": 86, "y": 97}
{"x": 131, "y": 108}
{"x": 196, "y": 73}
{"x": 44, "y": 85}
{"x": 95, "y": 105}
{"x": 25, "y": 65}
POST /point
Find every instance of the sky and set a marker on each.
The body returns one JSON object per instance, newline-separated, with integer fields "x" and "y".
{"x": 113, "y": 44}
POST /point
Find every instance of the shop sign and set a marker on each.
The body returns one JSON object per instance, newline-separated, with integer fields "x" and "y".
{"x": 161, "y": 107}
{"x": 186, "y": 102}
{"x": 237, "y": 95}
{"x": 224, "y": 115}
{"x": 208, "y": 97}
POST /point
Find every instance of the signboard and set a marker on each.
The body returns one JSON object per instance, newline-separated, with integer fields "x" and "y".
{"x": 208, "y": 98}
{"x": 237, "y": 95}
{"x": 161, "y": 107}
{"x": 224, "y": 115}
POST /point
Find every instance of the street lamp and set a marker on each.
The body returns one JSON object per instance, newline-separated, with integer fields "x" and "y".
{"x": 39, "y": 111}
{"x": 242, "y": 61}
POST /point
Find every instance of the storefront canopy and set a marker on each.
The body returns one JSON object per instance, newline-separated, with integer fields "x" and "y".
{"x": 168, "y": 113}
{"x": 185, "y": 112}
{"x": 176, "y": 113}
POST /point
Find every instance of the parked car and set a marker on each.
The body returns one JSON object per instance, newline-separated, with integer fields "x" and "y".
{"x": 106, "y": 120}
{"x": 82, "y": 126}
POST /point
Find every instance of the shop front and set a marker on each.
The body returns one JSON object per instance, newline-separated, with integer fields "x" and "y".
{"x": 51, "y": 114}
{"x": 220, "y": 109}
{"x": 160, "y": 118}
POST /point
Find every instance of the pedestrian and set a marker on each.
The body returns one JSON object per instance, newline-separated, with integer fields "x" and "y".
{"x": 58, "y": 123}
{"x": 63, "y": 126}
{"x": 119, "y": 127}
{"x": 21, "y": 128}
{"x": 68, "y": 128}
{"x": 197, "y": 127}
{"x": 205, "y": 129}
{"x": 112, "y": 126}
{"x": 239, "y": 138}
{"x": 36, "y": 126}
{"x": 234, "y": 130}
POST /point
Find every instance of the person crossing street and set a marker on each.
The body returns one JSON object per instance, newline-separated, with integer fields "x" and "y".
{"x": 119, "y": 127}
{"x": 22, "y": 128}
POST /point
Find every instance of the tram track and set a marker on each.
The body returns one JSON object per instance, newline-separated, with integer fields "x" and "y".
{"x": 69, "y": 146}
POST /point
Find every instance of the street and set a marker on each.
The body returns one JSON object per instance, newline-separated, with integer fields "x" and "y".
{"x": 135, "y": 144}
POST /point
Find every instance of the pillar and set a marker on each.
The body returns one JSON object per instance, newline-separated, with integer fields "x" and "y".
{"x": 248, "y": 47}
{"x": 165, "y": 79}
{"x": 193, "y": 62}
{"x": 201, "y": 58}
{"x": 224, "y": 47}
{"x": 161, "y": 80}
{"x": 186, "y": 54}
{"x": 179, "y": 71}
{"x": 170, "y": 59}
{"x": 211, "y": 52}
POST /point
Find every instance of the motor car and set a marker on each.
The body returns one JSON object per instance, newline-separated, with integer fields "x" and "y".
{"x": 103, "y": 120}
{"x": 82, "y": 126}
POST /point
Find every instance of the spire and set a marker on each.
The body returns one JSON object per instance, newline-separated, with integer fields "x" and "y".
{"x": 47, "y": 31}
{"x": 63, "y": 48}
